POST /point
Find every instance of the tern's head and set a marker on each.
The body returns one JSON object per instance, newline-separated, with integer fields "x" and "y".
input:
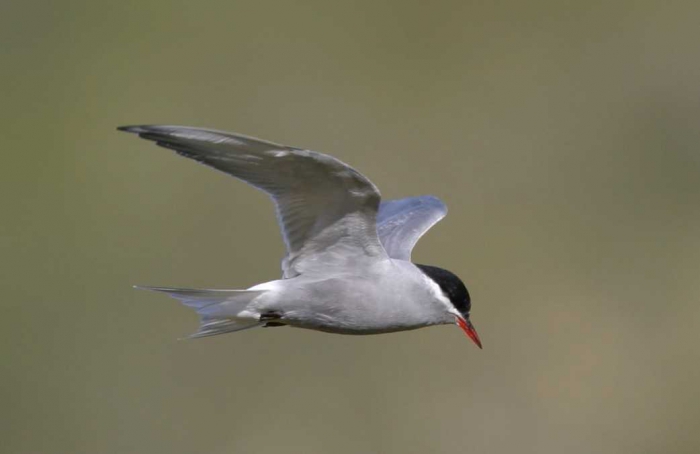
{"x": 456, "y": 292}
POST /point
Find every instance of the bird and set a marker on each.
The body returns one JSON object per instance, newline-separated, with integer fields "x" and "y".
{"x": 347, "y": 268}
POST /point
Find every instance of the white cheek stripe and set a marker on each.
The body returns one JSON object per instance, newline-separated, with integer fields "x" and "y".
{"x": 439, "y": 296}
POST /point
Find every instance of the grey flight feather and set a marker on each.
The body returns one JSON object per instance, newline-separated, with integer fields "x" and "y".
{"x": 321, "y": 202}
{"x": 401, "y": 223}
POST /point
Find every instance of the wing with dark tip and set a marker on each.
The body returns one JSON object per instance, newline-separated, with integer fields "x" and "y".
{"x": 321, "y": 202}
{"x": 401, "y": 223}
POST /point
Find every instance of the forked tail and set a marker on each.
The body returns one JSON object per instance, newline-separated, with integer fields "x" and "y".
{"x": 220, "y": 311}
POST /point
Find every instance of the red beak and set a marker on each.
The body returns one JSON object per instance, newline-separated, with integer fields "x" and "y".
{"x": 469, "y": 329}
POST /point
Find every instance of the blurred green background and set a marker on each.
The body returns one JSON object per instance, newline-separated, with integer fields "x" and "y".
{"x": 564, "y": 136}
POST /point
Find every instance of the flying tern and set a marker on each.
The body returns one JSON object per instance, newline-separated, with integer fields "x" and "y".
{"x": 347, "y": 268}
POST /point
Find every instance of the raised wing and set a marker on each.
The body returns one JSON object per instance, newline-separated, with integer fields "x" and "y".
{"x": 322, "y": 203}
{"x": 401, "y": 223}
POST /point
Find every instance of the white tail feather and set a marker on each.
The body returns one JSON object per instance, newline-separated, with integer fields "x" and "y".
{"x": 219, "y": 310}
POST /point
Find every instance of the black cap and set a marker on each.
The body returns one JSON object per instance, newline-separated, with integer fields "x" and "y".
{"x": 452, "y": 286}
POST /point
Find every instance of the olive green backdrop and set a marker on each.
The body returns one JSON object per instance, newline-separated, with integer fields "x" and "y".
{"x": 564, "y": 137}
